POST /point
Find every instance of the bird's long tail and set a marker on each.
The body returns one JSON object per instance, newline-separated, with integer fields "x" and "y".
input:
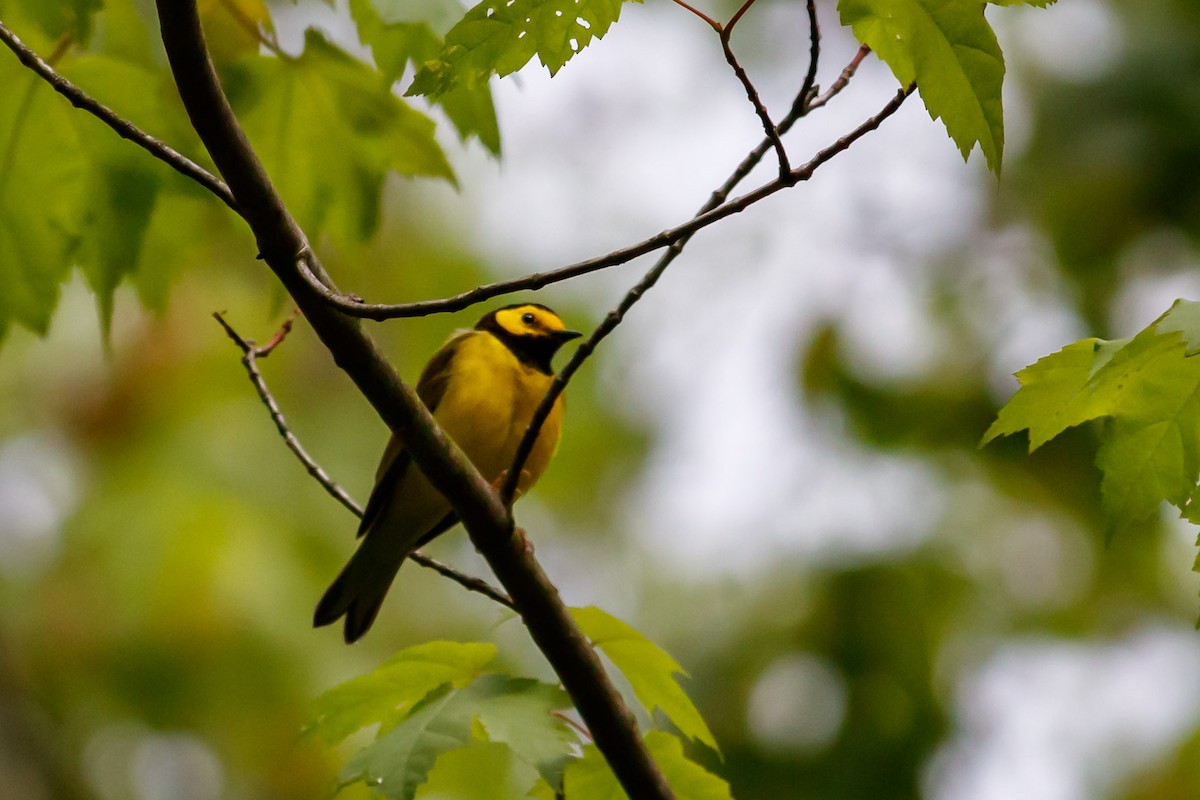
{"x": 358, "y": 592}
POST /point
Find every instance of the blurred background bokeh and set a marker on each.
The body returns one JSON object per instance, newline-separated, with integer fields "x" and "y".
{"x": 772, "y": 468}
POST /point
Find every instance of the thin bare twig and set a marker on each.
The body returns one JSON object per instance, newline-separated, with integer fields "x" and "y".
{"x": 125, "y": 129}
{"x": 752, "y": 95}
{"x": 250, "y": 355}
{"x": 614, "y": 317}
{"x": 466, "y": 581}
{"x": 842, "y": 80}
{"x": 814, "y": 57}
{"x": 538, "y": 280}
{"x": 712, "y": 23}
{"x": 737, "y": 15}
{"x": 724, "y": 32}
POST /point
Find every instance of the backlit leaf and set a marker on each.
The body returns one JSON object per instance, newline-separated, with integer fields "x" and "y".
{"x": 512, "y": 711}
{"x": 590, "y": 778}
{"x": 43, "y": 177}
{"x": 1047, "y": 388}
{"x": 328, "y": 132}
{"x": 498, "y": 37}
{"x": 520, "y": 714}
{"x": 399, "y": 36}
{"x": 58, "y": 18}
{"x": 124, "y": 185}
{"x": 950, "y": 50}
{"x": 648, "y": 668}
{"x": 1149, "y": 389}
{"x": 396, "y": 686}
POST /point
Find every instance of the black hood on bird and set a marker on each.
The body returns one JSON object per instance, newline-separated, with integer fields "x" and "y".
{"x": 534, "y": 349}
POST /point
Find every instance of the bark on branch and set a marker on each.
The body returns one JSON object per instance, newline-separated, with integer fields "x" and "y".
{"x": 489, "y": 523}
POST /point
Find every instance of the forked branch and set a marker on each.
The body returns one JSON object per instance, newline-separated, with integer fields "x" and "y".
{"x": 614, "y": 317}
{"x": 713, "y": 211}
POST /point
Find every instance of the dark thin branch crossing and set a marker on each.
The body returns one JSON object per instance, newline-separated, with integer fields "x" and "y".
{"x": 752, "y": 95}
{"x": 803, "y": 97}
{"x": 123, "y": 128}
{"x": 614, "y": 317}
{"x": 250, "y": 355}
{"x": 737, "y": 15}
{"x": 539, "y": 280}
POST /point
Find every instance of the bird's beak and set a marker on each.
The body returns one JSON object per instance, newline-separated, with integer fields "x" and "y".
{"x": 562, "y": 337}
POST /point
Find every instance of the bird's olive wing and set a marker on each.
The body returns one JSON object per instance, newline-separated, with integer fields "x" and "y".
{"x": 431, "y": 388}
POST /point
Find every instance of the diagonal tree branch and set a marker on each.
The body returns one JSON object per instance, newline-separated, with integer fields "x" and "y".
{"x": 752, "y": 95}
{"x": 614, "y": 317}
{"x": 488, "y": 521}
{"x": 125, "y": 129}
{"x": 712, "y": 212}
{"x": 250, "y": 355}
{"x": 379, "y": 311}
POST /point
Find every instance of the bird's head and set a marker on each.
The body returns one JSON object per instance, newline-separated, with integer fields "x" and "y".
{"x": 530, "y": 330}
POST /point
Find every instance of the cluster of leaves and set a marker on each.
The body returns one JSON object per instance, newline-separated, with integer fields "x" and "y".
{"x": 438, "y": 697}
{"x": 1147, "y": 391}
{"x": 328, "y": 126}
{"x": 950, "y": 51}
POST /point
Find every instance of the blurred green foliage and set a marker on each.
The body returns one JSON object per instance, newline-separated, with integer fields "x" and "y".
{"x": 154, "y": 602}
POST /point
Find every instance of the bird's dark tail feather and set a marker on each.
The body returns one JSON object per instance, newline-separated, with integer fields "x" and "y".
{"x": 358, "y": 591}
{"x": 356, "y": 594}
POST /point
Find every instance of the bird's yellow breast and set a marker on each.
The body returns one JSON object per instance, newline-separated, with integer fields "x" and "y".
{"x": 489, "y": 401}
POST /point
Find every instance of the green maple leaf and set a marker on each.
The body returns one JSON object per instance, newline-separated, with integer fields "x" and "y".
{"x": 1047, "y": 389}
{"x": 498, "y": 37}
{"x": 123, "y": 185}
{"x": 43, "y": 180}
{"x": 1147, "y": 387}
{"x": 57, "y": 18}
{"x": 396, "y": 686}
{"x": 648, "y": 668}
{"x": 328, "y": 132}
{"x": 512, "y": 711}
{"x": 950, "y": 50}
{"x": 589, "y": 778}
{"x": 400, "y": 33}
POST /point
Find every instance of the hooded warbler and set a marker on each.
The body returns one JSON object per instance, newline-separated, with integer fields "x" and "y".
{"x": 482, "y": 386}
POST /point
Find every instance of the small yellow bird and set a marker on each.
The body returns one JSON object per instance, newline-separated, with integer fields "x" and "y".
{"x": 482, "y": 387}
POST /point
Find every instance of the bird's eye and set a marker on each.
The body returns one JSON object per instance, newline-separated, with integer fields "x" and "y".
{"x": 527, "y": 318}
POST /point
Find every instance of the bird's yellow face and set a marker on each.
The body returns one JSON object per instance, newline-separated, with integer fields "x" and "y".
{"x": 529, "y": 320}
{"x": 532, "y": 332}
